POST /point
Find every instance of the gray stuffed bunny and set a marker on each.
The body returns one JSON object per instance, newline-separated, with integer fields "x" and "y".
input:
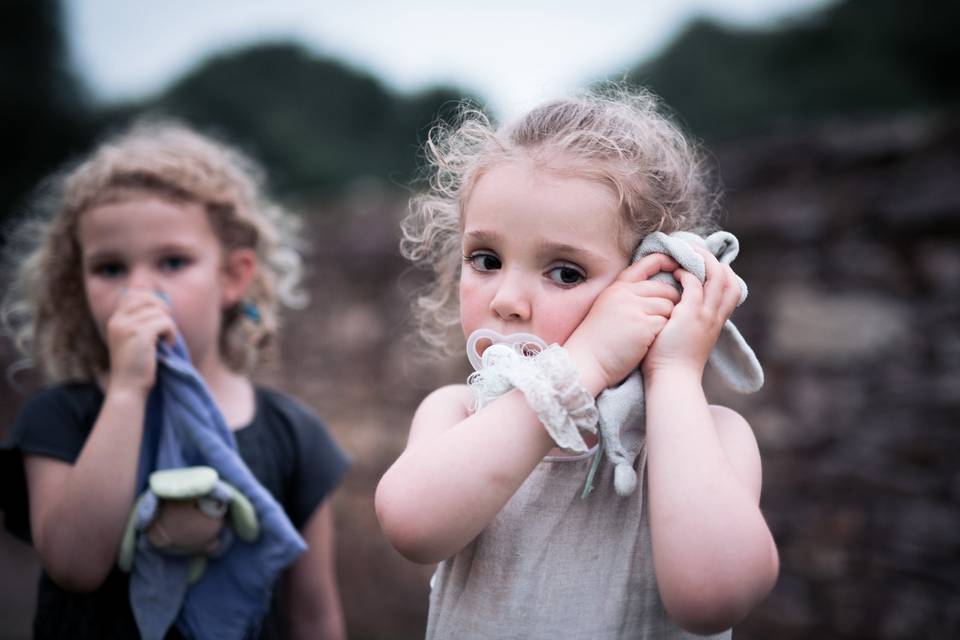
{"x": 621, "y": 408}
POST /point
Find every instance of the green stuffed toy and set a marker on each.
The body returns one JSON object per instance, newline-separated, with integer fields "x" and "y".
{"x": 183, "y": 512}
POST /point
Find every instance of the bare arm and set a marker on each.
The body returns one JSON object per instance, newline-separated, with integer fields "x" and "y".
{"x": 714, "y": 555}
{"x": 457, "y": 472}
{"x": 313, "y": 608}
{"x": 78, "y": 512}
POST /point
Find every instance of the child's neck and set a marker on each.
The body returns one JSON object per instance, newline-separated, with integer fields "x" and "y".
{"x": 232, "y": 391}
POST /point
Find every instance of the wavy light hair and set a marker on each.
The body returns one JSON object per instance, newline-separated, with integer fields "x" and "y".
{"x": 619, "y": 137}
{"x": 45, "y": 309}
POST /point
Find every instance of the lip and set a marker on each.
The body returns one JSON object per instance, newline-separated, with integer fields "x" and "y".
{"x": 481, "y": 339}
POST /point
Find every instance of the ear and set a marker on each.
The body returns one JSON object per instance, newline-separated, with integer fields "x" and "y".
{"x": 239, "y": 268}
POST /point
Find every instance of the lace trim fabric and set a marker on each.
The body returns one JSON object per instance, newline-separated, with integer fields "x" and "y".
{"x": 549, "y": 382}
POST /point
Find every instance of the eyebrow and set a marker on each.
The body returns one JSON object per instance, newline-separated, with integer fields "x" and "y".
{"x": 118, "y": 254}
{"x": 482, "y": 237}
{"x": 548, "y": 248}
{"x": 102, "y": 254}
{"x": 545, "y": 248}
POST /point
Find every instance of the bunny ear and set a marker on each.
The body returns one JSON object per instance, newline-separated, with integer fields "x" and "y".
{"x": 724, "y": 245}
{"x": 677, "y": 245}
{"x": 735, "y": 361}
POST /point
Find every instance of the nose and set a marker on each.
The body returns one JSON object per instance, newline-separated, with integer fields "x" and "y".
{"x": 141, "y": 277}
{"x": 512, "y": 299}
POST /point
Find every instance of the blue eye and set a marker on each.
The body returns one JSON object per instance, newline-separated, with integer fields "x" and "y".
{"x": 109, "y": 270}
{"x": 484, "y": 261}
{"x": 566, "y": 275}
{"x": 174, "y": 263}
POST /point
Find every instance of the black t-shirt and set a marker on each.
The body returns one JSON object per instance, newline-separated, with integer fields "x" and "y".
{"x": 285, "y": 446}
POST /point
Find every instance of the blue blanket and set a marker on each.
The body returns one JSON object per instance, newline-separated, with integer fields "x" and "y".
{"x": 185, "y": 428}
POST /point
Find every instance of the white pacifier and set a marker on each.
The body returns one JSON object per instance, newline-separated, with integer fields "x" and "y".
{"x": 480, "y": 341}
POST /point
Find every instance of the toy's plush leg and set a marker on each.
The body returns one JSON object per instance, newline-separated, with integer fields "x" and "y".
{"x": 158, "y": 586}
{"x": 619, "y": 406}
{"x": 198, "y": 565}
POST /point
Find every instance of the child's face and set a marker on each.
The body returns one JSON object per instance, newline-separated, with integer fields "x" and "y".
{"x": 155, "y": 244}
{"x": 538, "y": 248}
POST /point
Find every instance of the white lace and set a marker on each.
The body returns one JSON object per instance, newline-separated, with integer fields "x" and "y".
{"x": 549, "y": 382}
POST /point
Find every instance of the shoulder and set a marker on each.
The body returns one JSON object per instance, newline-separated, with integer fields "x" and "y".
{"x": 275, "y": 407}
{"x": 730, "y": 424}
{"x": 76, "y": 397}
{"x": 444, "y": 407}
{"x": 292, "y": 445}
{"x": 56, "y": 421}
{"x": 456, "y": 396}
{"x": 284, "y": 417}
{"x": 739, "y": 444}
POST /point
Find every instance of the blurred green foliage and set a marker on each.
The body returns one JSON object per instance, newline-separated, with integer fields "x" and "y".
{"x": 854, "y": 58}
{"x": 318, "y": 124}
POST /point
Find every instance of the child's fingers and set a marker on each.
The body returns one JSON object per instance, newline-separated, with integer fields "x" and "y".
{"x": 716, "y": 283}
{"x": 133, "y": 300}
{"x": 732, "y": 295}
{"x": 658, "y": 307}
{"x": 160, "y": 328}
{"x": 693, "y": 289}
{"x": 657, "y": 323}
{"x": 152, "y": 319}
{"x": 162, "y": 316}
{"x": 156, "y": 317}
{"x": 648, "y": 266}
{"x": 154, "y": 323}
{"x": 168, "y": 335}
{"x": 656, "y": 289}
{"x": 142, "y": 312}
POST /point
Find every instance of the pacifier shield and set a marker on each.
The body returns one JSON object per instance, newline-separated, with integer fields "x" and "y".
{"x": 525, "y": 344}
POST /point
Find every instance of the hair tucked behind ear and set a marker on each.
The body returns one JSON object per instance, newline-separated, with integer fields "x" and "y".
{"x": 45, "y": 309}
{"x": 617, "y": 136}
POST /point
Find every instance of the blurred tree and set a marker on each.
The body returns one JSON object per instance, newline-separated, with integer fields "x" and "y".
{"x": 857, "y": 57}
{"x": 43, "y": 118}
{"x": 316, "y": 123}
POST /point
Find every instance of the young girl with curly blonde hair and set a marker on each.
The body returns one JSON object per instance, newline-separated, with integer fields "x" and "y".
{"x": 529, "y": 229}
{"x": 160, "y": 232}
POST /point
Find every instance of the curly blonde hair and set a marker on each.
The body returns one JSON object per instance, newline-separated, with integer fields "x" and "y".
{"x": 45, "y": 309}
{"x": 617, "y": 136}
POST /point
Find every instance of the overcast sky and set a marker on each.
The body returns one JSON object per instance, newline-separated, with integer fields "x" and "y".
{"x": 511, "y": 53}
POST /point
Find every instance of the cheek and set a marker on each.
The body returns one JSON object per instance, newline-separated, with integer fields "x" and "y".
{"x": 101, "y": 301}
{"x": 557, "y": 327}
{"x": 565, "y": 315}
{"x": 194, "y": 309}
{"x": 471, "y": 305}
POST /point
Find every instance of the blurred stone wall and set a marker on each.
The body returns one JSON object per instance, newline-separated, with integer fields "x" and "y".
{"x": 850, "y": 243}
{"x": 851, "y": 248}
